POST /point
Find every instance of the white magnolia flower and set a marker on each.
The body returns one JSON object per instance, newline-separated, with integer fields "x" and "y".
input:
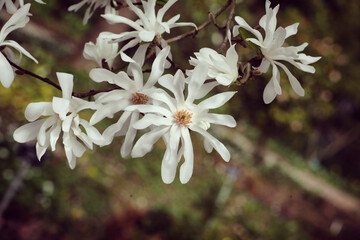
{"x": 174, "y": 119}
{"x": 133, "y": 91}
{"x": 18, "y": 20}
{"x": 148, "y": 27}
{"x": 103, "y": 50}
{"x": 274, "y": 52}
{"x": 93, "y": 5}
{"x": 62, "y": 118}
{"x": 222, "y": 68}
{"x": 12, "y": 6}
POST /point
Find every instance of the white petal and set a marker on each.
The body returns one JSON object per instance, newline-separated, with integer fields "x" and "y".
{"x": 129, "y": 137}
{"x": 151, "y": 119}
{"x": 293, "y": 81}
{"x": 157, "y": 68}
{"x": 216, "y": 101}
{"x": 197, "y": 80}
{"x": 264, "y": 66}
{"x": 147, "y": 141}
{"x": 34, "y": 110}
{"x": 146, "y": 36}
{"x": 243, "y": 24}
{"x": 28, "y": 132}
{"x": 168, "y": 167}
{"x": 66, "y": 84}
{"x": 61, "y": 106}
{"x": 269, "y": 92}
{"x": 220, "y": 119}
{"x": 7, "y": 73}
{"x": 150, "y": 109}
{"x": 186, "y": 169}
{"x": 219, "y": 147}
{"x": 291, "y": 30}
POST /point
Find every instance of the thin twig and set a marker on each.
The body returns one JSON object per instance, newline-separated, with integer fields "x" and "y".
{"x": 24, "y": 71}
{"x": 227, "y": 26}
{"x": 48, "y": 81}
{"x": 93, "y": 92}
{"x": 202, "y": 26}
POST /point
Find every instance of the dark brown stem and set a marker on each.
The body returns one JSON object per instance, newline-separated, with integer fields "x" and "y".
{"x": 24, "y": 71}
{"x": 48, "y": 81}
{"x": 202, "y": 26}
{"x": 227, "y": 26}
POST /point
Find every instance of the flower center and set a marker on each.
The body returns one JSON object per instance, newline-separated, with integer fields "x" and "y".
{"x": 139, "y": 98}
{"x": 183, "y": 117}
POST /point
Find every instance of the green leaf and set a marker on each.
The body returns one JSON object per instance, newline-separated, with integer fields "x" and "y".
{"x": 161, "y": 2}
{"x": 245, "y": 35}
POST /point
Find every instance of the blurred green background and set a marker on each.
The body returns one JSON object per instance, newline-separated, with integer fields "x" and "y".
{"x": 294, "y": 172}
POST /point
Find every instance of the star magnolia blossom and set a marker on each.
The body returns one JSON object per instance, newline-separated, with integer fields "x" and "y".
{"x": 12, "y": 6}
{"x": 103, "y": 50}
{"x": 62, "y": 118}
{"x": 147, "y": 27}
{"x": 18, "y": 20}
{"x": 93, "y": 5}
{"x": 134, "y": 91}
{"x": 273, "y": 51}
{"x": 222, "y": 68}
{"x": 176, "y": 117}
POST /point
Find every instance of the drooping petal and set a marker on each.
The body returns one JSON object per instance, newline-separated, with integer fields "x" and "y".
{"x": 295, "y": 84}
{"x": 129, "y": 137}
{"x": 147, "y": 141}
{"x": 219, "y": 146}
{"x": 28, "y": 132}
{"x": 269, "y": 93}
{"x": 7, "y": 73}
{"x": 186, "y": 169}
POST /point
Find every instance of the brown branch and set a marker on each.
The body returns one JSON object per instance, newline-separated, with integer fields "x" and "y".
{"x": 227, "y": 26}
{"x": 24, "y": 71}
{"x": 89, "y": 94}
{"x": 202, "y": 26}
{"x": 93, "y": 92}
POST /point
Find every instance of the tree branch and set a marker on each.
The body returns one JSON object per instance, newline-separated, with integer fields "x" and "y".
{"x": 202, "y": 26}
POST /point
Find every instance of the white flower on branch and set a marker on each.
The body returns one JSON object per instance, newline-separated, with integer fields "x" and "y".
{"x": 133, "y": 91}
{"x": 147, "y": 28}
{"x": 224, "y": 69}
{"x": 12, "y": 6}
{"x": 18, "y": 20}
{"x": 93, "y": 5}
{"x": 273, "y": 49}
{"x": 62, "y": 118}
{"x": 103, "y": 50}
{"x": 176, "y": 117}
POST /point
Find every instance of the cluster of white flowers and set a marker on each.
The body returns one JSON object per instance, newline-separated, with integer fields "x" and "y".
{"x": 171, "y": 106}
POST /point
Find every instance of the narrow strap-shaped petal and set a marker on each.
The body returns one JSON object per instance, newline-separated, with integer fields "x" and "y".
{"x": 163, "y": 10}
{"x": 147, "y": 141}
{"x": 7, "y": 73}
{"x": 186, "y": 169}
{"x": 216, "y": 101}
{"x": 158, "y": 67}
{"x": 129, "y": 137}
{"x": 220, "y": 119}
{"x": 219, "y": 147}
{"x": 66, "y": 81}
{"x": 151, "y": 119}
{"x": 295, "y": 84}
